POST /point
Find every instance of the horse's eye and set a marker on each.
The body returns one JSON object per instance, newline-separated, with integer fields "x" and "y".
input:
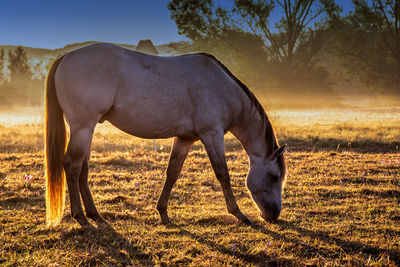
{"x": 274, "y": 178}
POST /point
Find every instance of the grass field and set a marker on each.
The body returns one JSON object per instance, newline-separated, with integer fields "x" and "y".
{"x": 341, "y": 200}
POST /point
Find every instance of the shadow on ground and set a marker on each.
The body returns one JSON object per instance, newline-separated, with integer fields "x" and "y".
{"x": 349, "y": 247}
{"x": 117, "y": 250}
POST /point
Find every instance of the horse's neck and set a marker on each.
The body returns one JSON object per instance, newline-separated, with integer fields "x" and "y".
{"x": 251, "y": 134}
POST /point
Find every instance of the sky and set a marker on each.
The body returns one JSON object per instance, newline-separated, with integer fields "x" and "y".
{"x": 56, "y": 23}
{"x": 53, "y": 24}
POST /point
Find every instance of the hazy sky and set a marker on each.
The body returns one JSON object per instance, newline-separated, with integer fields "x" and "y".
{"x": 56, "y": 23}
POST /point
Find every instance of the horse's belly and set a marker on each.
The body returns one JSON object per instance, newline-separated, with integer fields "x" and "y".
{"x": 150, "y": 125}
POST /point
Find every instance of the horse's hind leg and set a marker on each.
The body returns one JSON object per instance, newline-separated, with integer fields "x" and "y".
{"x": 179, "y": 151}
{"x": 214, "y": 143}
{"x": 90, "y": 208}
{"x": 77, "y": 149}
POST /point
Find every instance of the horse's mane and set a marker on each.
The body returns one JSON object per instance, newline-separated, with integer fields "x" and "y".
{"x": 269, "y": 132}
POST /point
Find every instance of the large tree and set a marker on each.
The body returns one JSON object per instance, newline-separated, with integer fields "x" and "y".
{"x": 370, "y": 44}
{"x": 211, "y": 29}
{"x": 291, "y": 46}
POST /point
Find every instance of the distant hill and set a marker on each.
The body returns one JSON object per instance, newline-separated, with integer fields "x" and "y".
{"x": 42, "y": 54}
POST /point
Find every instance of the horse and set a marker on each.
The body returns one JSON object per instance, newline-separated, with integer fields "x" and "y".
{"x": 188, "y": 97}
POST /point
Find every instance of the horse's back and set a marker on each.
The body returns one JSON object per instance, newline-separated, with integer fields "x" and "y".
{"x": 147, "y": 96}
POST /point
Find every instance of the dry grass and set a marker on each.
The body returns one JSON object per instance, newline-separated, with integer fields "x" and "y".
{"x": 341, "y": 204}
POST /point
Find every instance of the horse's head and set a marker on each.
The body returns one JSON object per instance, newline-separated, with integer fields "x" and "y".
{"x": 265, "y": 182}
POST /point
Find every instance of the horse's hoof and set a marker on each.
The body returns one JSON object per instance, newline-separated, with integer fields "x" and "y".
{"x": 246, "y": 221}
{"x": 103, "y": 224}
{"x": 88, "y": 227}
{"x": 165, "y": 219}
{"x": 100, "y": 221}
{"x": 81, "y": 219}
{"x": 166, "y": 222}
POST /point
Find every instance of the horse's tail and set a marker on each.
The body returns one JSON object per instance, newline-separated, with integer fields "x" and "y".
{"x": 55, "y": 133}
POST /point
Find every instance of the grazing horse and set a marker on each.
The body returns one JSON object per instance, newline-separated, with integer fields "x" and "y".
{"x": 189, "y": 97}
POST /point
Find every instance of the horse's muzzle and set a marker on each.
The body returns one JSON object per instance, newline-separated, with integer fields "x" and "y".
{"x": 272, "y": 213}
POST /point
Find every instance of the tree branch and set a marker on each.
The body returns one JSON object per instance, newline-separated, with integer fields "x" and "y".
{"x": 279, "y": 3}
{"x": 379, "y": 26}
{"x": 313, "y": 17}
{"x": 384, "y": 15}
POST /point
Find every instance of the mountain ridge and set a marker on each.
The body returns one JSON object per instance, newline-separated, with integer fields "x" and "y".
{"x": 45, "y": 54}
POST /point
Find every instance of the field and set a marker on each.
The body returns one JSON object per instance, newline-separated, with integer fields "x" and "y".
{"x": 341, "y": 200}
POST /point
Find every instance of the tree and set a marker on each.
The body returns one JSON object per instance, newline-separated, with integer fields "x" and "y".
{"x": 18, "y": 65}
{"x": 293, "y": 34}
{"x": 38, "y": 72}
{"x": 200, "y": 20}
{"x": 211, "y": 30}
{"x": 3, "y": 94}
{"x": 291, "y": 47}
{"x": 370, "y": 44}
{"x": 2, "y": 61}
{"x": 297, "y": 41}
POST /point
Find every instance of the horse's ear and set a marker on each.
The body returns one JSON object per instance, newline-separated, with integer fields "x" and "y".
{"x": 279, "y": 151}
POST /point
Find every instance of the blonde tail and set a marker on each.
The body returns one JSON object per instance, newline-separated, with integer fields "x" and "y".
{"x": 55, "y": 133}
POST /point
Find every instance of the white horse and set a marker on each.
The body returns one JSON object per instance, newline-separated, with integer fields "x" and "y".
{"x": 190, "y": 97}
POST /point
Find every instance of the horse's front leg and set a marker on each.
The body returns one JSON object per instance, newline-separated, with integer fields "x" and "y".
{"x": 214, "y": 144}
{"x": 180, "y": 149}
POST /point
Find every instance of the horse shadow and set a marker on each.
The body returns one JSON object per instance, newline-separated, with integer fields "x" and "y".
{"x": 348, "y": 247}
{"x": 229, "y": 252}
{"x": 114, "y": 248}
{"x": 260, "y": 259}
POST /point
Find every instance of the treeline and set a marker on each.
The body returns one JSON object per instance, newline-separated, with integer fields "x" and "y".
{"x": 296, "y": 49}
{"x": 20, "y": 82}
{"x": 305, "y": 49}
